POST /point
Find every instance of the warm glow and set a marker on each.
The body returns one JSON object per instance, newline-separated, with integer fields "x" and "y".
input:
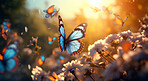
{"x": 98, "y": 4}
{"x": 95, "y": 2}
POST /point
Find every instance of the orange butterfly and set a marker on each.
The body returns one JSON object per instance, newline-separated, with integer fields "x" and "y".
{"x": 53, "y": 77}
{"x": 119, "y": 20}
{"x": 95, "y": 9}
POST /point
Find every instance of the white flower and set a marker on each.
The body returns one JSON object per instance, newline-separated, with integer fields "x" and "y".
{"x": 125, "y": 33}
{"x": 39, "y": 75}
{"x": 72, "y": 65}
{"x": 61, "y": 76}
{"x": 97, "y": 47}
{"x": 111, "y": 37}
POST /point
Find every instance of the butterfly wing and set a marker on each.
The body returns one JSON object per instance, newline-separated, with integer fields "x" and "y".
{"x": 44, "y": 10}
{"x": 41, "y": 60}
{"x": 79, "y": 32}
{"x": 54, "y": 13}
{"x": 50, "y": 9}
{"x": 2, "y": 67}
{"x": 74, "y": 47}
{"x": 47, "y": 15}
{"x": 53, "y": 77}
{"x": 118, "y": 20}
{"x": 12, "y": 64}
{"x": 52, "y": 6}
{"x": 50, "y": 40}
{"x": 54, "y": 38}
{"x": 11, "y": 51}
{"x": 61, "y": 57}
{"x": 62, "y": 34}
{"x": 125, "y": 21}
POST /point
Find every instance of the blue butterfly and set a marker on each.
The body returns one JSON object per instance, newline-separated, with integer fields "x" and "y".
{"x": 41, "y": 60}
{"x": 50, "y": 40}
{"x": 8, "y": 59}
{"x": 72, "y": 44}
{"x": 61, "y": 59}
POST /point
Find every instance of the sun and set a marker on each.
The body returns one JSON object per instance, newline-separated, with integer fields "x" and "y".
{"x": 100, "y": 3}
{"x": 95, "y": 3}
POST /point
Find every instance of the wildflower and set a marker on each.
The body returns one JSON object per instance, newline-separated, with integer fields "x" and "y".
{"x": 125, "y": 34}
{"x": 98, "y": 46}
{"x": 39, "y": 74}
{"x": 70, "y": 68}
{"x": 111, "y": 37}
{"x": 61, "y": 76}
{"x": 72, "y": 65}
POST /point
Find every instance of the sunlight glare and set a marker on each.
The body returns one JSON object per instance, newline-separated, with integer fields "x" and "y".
{"x": 95, "y": 2}
{"x": 100, "y": 3}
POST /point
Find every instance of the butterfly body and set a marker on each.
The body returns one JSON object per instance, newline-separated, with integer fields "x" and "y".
{"x": 72, "y": 44}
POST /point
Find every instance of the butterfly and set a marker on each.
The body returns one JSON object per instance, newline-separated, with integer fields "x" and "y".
{"x": 4, "y": 34}
{"x": 8, "y": 59}
{"x": 72, "y": 44}
{"x": 61, "y": 60}
{"x": 50, "y": 40}
{"x": 95, "y": 9}
{"x": 53, "y": 77}
{"x": 108, "y": 9}
{"x": 6, "y": 25}
{"x": 119, "y": 20}
{"x": 5, "y": 29}
{"x": 51, "y": 11}
{"x": 41, "y": 60}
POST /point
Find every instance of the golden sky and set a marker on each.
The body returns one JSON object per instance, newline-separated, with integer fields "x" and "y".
{"x": 68, "y": 8}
